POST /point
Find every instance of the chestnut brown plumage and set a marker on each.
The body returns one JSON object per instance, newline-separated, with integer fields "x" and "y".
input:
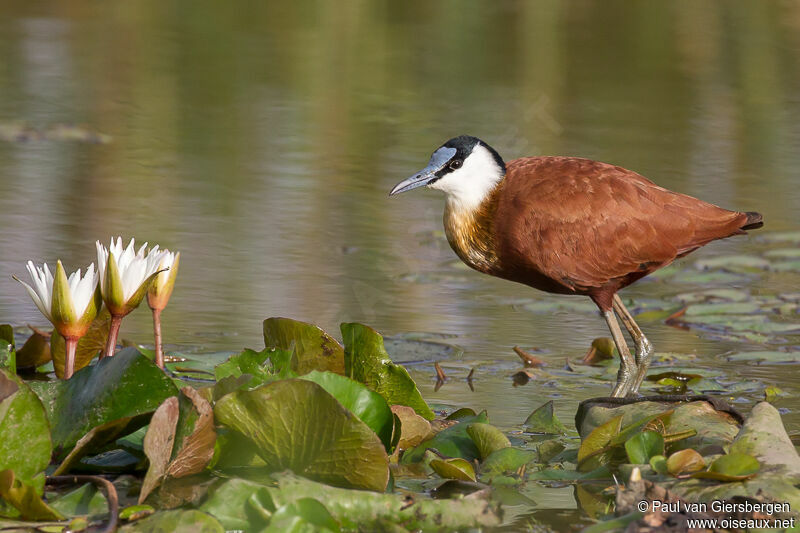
{"x": 570, "y": 226}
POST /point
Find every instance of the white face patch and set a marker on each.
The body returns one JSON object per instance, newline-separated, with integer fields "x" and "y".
{"x": 468, "y": 186}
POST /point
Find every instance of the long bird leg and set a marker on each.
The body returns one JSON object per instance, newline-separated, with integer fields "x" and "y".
{"x": 627, "y": 365}
{"x": 644, "y": 349}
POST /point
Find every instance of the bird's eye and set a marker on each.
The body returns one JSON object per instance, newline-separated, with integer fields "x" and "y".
{"x": 455, "y": 163}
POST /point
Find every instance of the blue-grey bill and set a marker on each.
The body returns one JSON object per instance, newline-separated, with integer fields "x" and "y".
{"x": 439, "y": 159}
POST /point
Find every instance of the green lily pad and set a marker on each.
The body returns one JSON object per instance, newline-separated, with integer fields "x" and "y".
{"x": 313, "y": 349}
{"x": 122, "y": 386}
{"x": 8, "y": 356}
{"x": 487, "y": 438}
{"x": 304, "y": 514}
{"x": 731, "y": 467}
{"x": 454, "y": 468}
{"x": 543, "y": 420}
{"x": 232, "y": 503}
{"x": 296, "y": 425}
{"x": 365, "y": 511}
{"x": 366, "y": 361}
{"x": 262, "y": 367}
{"x": 722, "y": 308}
{"x": 25, "y": 498}
{"x": 659, "y": 464}
{"x": 25, "y": 444}
{"x": 733, "y": 263}
{"x": 765, "y": 356}
{"x": 86, "y": 500}
{"x": 593, "y": 452}
{"x": 780, "y": 236}
{"x": 711, "y": 277}
{"x": 178, "y": 521}
{"x": 367, "y": 405}
{"x": 685, "y": 462}
{"x": 35, "y": 352}
{"x": 642, "y": 446}
{"x": 506, "y": 460}
{"x": 710, "y": 295}
{"x": 450, "y": 442}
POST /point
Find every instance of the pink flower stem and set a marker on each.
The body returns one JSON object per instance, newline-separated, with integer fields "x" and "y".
{"x": 69, "y": 361}
{"x": 111, "y": 344}
{"x": 157, "y": 331}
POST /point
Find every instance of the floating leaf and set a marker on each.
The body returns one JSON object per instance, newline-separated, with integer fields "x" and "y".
{"x": 451, "y": 442}
{"x": 232, "y": 504}
{"x": 86, "y": 500}
{"x": 122, "y": 386}
{"x": 25, "y": 444}
{"x": 89, "y": 345}
{"x": 659, "y": 464}
{"x": 304, "y": 514}
{"x": 592, "y": 452}
{"x": 487, "y": 438}
{"x": 95, "y": 439}
{"x": 313, "y": 348}
{"x": 297, "y": 425}
{"x": 724, "y": 308}
{"x": 642, "y": 446}
{"x": 543, "y": 420}
{"x": 359, "y": 510}
{"x": 685, "y": 462}
{"x": 603, "y": 348}
{"x": 413, "y": 428}
{"x": 454, "y": 468}
{"x": 367, "y": 405}
{"x": 731, "y": 467}
{"x": 765, "y": 356}
{"x": 25, "y": 498}
{"x": 506, "y": 460}
{"x": 734, "y": 263}
{"x": 180, "y": 439}
{"x": 35, "y": 352}
{"x": 178, "y": 521}
{"x": 8, "y": 357}
{"x": 366, "y": 360}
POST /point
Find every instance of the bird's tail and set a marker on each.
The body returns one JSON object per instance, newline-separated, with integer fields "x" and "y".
{"x": 754, "y": 220}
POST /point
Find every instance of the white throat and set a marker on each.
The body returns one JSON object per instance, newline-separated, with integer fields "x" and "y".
{"x": 468, "y": 186}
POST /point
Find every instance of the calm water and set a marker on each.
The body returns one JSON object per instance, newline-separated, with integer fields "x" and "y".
{"x": 261, "y": 142}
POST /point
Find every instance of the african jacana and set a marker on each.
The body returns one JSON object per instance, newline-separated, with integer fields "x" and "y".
{"x": 570, "y": 226}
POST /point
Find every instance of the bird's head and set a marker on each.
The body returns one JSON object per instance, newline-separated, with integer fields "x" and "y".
{"x": 465, "y": 168}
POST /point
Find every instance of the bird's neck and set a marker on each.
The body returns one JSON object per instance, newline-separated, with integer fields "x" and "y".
{"x": 469, "y": 231}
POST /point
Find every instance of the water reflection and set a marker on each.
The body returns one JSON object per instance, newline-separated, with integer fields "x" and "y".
{"x": 261, "y": 142}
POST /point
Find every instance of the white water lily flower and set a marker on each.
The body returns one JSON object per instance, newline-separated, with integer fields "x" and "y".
{"x": 70, "y": 303}
{"x": 161, "y": 288}
{"x": 125, "y": 274}
{"x": 66, "y": 309}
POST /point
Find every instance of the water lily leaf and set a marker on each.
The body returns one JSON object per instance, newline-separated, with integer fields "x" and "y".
{"x": 180, "y": 439}
{"x": 561, "y": 474}
{"x": 304, "y": 514}
{"x": 659, "y": 464}
{"x": 296, "y": 425}
{"x": 250, "y": 369}
{"x": 708, "y": 295}
{"x": 463, "y": 412}
{"x": 786, "y": 266}
{"x": 780, "y": 236}
{"x": 86, "y": 500}
{"x": 25, "y": 498}
{"x": 367, "y": 405}
{"x": 723, "y": 308}
{"x": 178, "y": 521}
{"x": 506, "y": 460}
{"x": 25, "y": 444}
{"x": 313, "y": 348}
{"x": 35, "y": 352}
{"x": 413, "y": 428}
{"x": 366, "y": 361}
{"x": 487, "y": 438}
{"x": 454, "y": 468}
{"x": 734, "y": 263}
{"x": 232, "y": 504}
{"x": 765, "y": 356}
{"x": 593, "y": 450}
{"x": 8, "y": 356}
{"x": 95, "y": 439}
{"x": 764, "y": 437}
{"x": 359, "y": 510}
{"x": 450, "y": 442}
{"x": 136, "y": 512}
{"x": 685, "y": 462}
{"x": 543, "y": 420}
{"x": 122, "y": 386}
{"x": 642, "y": 446}
{"x": 549, "y": 449}
{"x": 731, "y": 467}
{"x": 89, "y": 346}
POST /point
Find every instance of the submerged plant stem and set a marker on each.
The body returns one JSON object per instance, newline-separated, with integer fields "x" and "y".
{"x": 157, "y": 332}
{"x": 111, "y": 344}
{"x": 69, "y": 360}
